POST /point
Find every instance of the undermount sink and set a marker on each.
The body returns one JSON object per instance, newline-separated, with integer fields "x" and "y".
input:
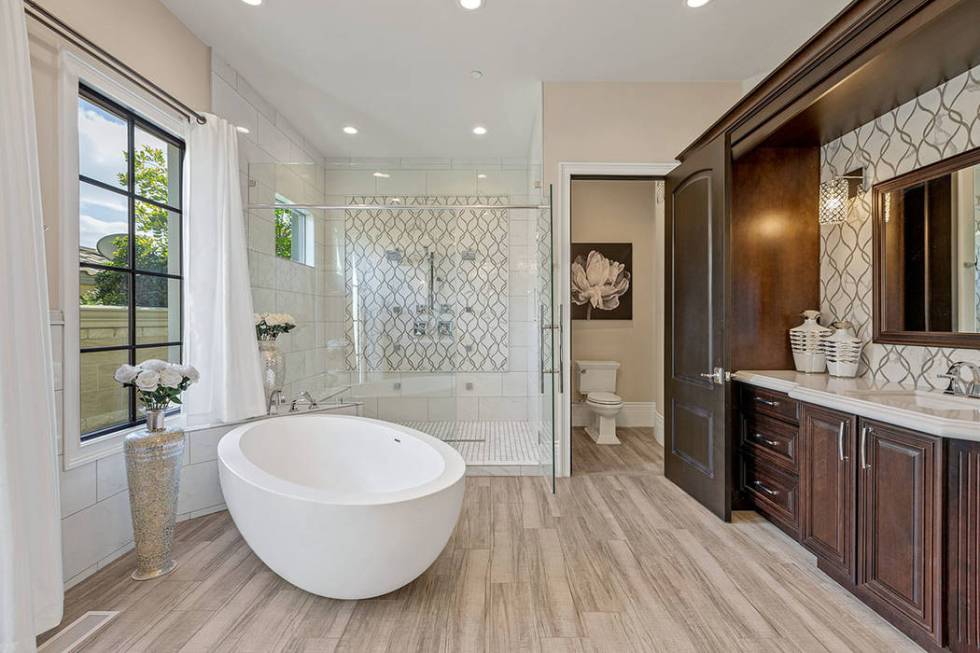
{"x": 967, "y": 408}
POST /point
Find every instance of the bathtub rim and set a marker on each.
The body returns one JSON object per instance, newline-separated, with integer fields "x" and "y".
{"x": 233, "y": 459}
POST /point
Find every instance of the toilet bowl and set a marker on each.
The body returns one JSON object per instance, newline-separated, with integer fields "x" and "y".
{"x": 605, "y": 406}
{"x": 597, "y": 382}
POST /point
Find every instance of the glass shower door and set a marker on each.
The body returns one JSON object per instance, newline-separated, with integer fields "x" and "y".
{"x": 549, "y": 321}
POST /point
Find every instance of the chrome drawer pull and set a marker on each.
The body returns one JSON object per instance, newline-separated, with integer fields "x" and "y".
{"x": 762, "y": 486}
{"x": 761, "y": 438}
{"x": 766, "y": 402}
{"x": 864, "y": 447}
{"x": 840, "y": 442}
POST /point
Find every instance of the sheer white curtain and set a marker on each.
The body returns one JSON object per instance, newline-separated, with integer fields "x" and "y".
{"x": 220, "y": 327}
{"x": 31, "y": 596}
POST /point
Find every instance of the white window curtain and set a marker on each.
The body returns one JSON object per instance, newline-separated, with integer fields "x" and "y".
{"x": 31, "y": 595}
{"x": 220, "y": 334}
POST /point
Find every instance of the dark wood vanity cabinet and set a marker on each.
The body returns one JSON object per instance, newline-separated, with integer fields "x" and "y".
{"x": 866, "y": 498}
{"x": 828, "y": 489}
{"x": 900, "y": 538}
{"x": 962, "y": 548}
{"x": 768, "y": 473}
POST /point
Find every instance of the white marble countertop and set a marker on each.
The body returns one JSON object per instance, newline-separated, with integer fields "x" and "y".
{"x": 926, "y": 411}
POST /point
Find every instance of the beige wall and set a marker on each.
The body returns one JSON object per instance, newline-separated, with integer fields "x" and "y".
{"x": 622, "y": 212}
{"x": 627, "y": 122}
{"x": 141, "y": 33}
{"x": 623, "y": 122}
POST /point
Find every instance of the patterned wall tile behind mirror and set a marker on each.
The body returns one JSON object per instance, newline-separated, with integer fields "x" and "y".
{"x": 427, "y": 289}
{"x": 937, "y": 125}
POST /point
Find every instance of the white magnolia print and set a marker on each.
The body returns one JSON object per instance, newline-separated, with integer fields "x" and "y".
{"x": 598, "y": 282}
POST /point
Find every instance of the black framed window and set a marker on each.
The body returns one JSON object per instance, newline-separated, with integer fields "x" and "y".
{"x": 129, "y": 255}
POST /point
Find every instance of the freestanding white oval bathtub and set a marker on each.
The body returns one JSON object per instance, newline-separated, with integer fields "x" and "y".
{"x": 340, "y": 506}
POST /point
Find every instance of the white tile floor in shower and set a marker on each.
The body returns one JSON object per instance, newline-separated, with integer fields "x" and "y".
{"x": 487, "y": 443}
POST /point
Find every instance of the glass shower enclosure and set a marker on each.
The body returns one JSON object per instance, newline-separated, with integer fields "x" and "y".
{"x": 433, "y": 307}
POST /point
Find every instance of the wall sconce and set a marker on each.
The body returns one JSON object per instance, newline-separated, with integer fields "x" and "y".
{"x": 837, "y": 194}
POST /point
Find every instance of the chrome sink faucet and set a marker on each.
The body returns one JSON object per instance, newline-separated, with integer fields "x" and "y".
{"x": 957, "y": 386}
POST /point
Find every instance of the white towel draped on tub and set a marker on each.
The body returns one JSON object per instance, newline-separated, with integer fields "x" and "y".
{"x": 220, "y": 336}
{"x": 31, "y": 596}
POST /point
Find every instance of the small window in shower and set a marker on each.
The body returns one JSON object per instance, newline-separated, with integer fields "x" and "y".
{"x": 295, "y": 233}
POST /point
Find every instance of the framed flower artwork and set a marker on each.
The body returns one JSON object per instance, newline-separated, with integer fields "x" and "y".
{"x": 602, "y": 281}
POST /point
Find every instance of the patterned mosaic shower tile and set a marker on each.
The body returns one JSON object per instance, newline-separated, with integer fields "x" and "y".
{"x": 427, "y": 289}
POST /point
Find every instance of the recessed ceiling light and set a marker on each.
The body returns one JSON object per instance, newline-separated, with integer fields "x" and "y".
{"x": 350, "y": 130}
{"x": 381, "y": 175}
{"x": 242, "y": 130}
{"x": 480, "y": 130}
{"x": 254, "y": 3}
{"x": 481, "y": 176}
{"x": 477, "y": 74}
{"x": 470, "y": 5}
{"x": 696, "y": 3}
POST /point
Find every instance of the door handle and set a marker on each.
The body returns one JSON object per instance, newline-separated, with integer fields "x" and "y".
{"x": 541, "y": 329}
{"x": 864, "y": 447}
{"x": 560, "y": 367}
{"x": 840, "y": 442}
{"x": 717, "y": 377}
{"x": 557, "y": 363}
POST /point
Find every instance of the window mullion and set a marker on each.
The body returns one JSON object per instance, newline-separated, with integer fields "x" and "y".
{"x": 131, "y": 188}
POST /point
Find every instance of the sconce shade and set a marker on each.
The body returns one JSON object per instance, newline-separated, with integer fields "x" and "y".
{"x": 833, "y": 201}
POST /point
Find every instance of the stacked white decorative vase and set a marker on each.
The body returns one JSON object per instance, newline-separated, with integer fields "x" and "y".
{"x": 843, "y": 351}
{"x": 806, "y": 341}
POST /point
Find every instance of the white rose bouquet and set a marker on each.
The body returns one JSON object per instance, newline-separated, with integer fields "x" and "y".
{"x": 269, "y": 326}
{"x": 158, "y": 383}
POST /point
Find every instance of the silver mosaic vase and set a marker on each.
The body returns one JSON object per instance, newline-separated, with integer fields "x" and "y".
{"x": 273, "y": 367}
{"x": 153, "y": 461}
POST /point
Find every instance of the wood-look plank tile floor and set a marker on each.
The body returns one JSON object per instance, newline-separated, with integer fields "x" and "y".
{"x": 619, "y": 560}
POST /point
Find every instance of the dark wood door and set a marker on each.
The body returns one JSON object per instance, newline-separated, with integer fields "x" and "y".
{"x": 695, "y": 416}
{"x": 827, "y": 489}
{"x": 900, "y": 485}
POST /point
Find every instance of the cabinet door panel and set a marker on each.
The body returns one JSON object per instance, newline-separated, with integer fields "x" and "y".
{"x": 827, "y": 489}
{"x": 900, "y": 486}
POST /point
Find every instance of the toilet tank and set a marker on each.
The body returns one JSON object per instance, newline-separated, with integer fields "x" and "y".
{"x": 596, "y": 376}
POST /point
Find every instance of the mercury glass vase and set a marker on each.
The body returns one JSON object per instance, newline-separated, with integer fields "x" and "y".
{"x": 273, "y": 367}
{"x": 153, "y": 461}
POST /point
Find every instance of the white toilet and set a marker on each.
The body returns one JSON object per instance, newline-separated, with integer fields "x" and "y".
{"x": 597, "y": 382}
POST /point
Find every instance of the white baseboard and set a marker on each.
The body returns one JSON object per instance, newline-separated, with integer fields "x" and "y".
{"x": 634, "y": 413}
{"x": 658, "y": 428}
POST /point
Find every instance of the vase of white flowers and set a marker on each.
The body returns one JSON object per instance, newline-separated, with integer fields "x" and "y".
{"x": 268, "y": 327}
{"x": 153, "y": 461}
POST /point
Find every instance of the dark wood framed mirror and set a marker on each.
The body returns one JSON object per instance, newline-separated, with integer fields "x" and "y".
{"x": 926, "y": 252}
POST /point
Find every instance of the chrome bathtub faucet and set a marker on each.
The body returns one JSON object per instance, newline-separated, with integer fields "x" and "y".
{"x": 305, "y": 399}
{"x": 273, "y": 402}
{"x": 957, "y": 386}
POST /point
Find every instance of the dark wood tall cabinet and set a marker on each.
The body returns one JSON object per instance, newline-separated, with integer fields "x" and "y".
{"x": 828, "y": 487}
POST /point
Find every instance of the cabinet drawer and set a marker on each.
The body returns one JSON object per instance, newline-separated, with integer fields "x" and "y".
{"x": 773, "y": 492}
{"x": 769, "y": 402}
{"x": 766, "y": 437}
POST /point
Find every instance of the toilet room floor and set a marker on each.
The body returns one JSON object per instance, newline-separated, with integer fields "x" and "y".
{"x": 618, "y": 560}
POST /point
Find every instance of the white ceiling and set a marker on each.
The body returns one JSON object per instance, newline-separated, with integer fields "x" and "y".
{"x": 400, "y": 69}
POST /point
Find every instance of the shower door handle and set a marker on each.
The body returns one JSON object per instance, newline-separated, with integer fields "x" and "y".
{"x": 555, "y": 368}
